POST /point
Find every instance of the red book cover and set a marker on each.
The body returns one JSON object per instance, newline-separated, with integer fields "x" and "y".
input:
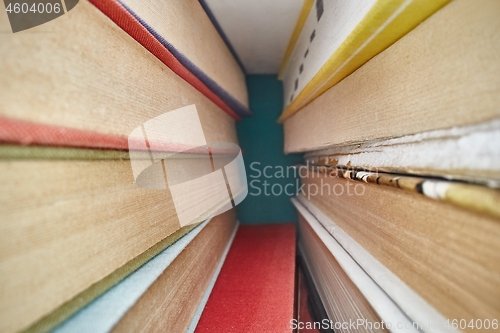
{"x": 255, "y": 288}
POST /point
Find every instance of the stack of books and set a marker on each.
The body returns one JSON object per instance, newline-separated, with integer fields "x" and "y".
{"x": 90, "y": 241}
{"x": 120, "y": 170}
{"x": 396, "y": 105}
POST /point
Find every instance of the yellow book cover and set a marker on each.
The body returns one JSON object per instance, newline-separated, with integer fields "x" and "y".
{"x": 384, "y": 22}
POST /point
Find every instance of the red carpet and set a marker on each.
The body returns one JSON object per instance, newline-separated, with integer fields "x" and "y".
{"x": 255, "y": 288}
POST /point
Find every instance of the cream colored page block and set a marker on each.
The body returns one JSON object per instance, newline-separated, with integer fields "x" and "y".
{"x": 408, "y": 301}
{"x": 342, "y": 299}
{"x": 82, "y": 71}
{"x": 444, "y": 73}
{"x": 447, "y": 255}
{"x": 186, "y": 26}
{"x": 172, "y": 300}
{"x": 66, "y": 225}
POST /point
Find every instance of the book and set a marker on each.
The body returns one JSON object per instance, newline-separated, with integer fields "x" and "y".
{"x": 255, "y": 288}
{"x": 76, "y": 220}
{"x": 310, "y": 311}
{"x": 340, "y": 36}
{"x": 352, "y": 300}
{"x": 444, "y": 73}
{"x": 120, "y": 167}
{"x": 185, "y": 30}
{"x": 106, "y": 82}
{"x": 466, "y": 153}
{"x": 181, "y": 274}
{"x": 445, "y": 254}
{"x": 85, "y": 218}
{"x": 187, "y": 27}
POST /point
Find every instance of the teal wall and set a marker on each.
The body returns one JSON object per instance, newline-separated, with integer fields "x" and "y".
{"x": 261, "y": 139}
